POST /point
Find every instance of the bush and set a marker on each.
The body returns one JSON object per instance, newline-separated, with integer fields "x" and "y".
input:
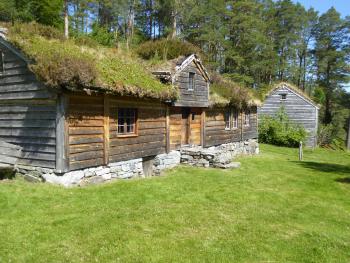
{"x": 333, "y": 135}
{"x": 102, "y": 35}
{"x": 166, "y": 49}
{"x": 35, "y": 29}
{"x": 280, "y": 130}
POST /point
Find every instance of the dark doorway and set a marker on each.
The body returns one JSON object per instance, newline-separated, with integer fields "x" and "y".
{"x": 185, "y": 134}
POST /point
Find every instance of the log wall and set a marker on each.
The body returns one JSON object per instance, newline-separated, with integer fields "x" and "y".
{"x": 86, "y": 131}
{"x": 151, "y": 137}
{"x": 27, "y": 112}
{"x": 175, "y": 128}
{"x": 216, "y": 134}
{"x": 251, "y": 131}
{"x": 93, "y": 136}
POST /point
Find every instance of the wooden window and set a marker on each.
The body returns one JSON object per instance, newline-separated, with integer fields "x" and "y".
{"x": 227, "y": 117}
{"x": 283, "y": 96}
{"x": 2, "y": 63}
{"x": 235, "y": 120}
{"x": 127, "y": 122}
{"x": 191, "y": 82}
{"x": 246, "y": 118}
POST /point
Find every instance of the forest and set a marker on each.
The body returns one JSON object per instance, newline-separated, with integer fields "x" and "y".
{"x": 255, "y": 43}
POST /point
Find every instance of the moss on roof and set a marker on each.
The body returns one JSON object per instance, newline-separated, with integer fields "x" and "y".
{"x": 226, "y": 92}
{"x": 63, "y": 63}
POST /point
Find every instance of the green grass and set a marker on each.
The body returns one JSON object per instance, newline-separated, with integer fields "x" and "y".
{"x": 67, "y": 63}
{"x": 272, "y": 209}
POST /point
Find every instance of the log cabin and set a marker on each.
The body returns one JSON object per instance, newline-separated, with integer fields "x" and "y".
{"x": 70, "y": 125}
{"x": 299, "y": 107}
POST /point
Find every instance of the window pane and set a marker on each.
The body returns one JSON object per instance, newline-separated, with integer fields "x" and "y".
{"x": 126, "y": 121}
{"x": 235, "y": 119}
{"x": 246, "y": 118}
{"x": 227, "y": 120}
{"x": 191, "y": 81}
{"x": 121, "y": 129}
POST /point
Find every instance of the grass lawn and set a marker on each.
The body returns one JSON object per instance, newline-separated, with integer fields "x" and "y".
{"x": 272, "y": 209}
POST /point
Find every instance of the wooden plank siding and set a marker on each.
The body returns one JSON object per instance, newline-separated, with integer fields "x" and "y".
{"x": 175, "y": 128}
{"x": 192, "y": 98}
{"x": 250, "y": 131}
{"x": 93, "y": 134}
{"x": 151, "y": 131}
{"x": 216, "y": 134}
{"x": 27, "y": 112}
{"x": 299, "y": 110}
{"x": 86, "y": 131}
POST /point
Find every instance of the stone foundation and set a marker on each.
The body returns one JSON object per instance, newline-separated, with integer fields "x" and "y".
{"x": 218, "y": 156}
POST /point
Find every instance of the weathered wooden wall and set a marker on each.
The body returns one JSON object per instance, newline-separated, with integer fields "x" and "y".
{"x": 192, "y": 98}
{"x": 93, "y": 137}
{"x": 151, "y": 138}
{"x": 251, "y": 131}
{"x": 175, "y": 128}
{"x": 216, "y": 134}
{"x": 86, "y": 131}
{"x": 27, "y": 112}
{"x": 298, "y": 109}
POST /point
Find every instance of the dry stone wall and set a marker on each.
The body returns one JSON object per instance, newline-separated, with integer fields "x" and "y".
{"x": 217, "y": 156}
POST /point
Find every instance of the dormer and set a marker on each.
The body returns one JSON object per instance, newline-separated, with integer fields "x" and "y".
{"x": 190, "y": 76}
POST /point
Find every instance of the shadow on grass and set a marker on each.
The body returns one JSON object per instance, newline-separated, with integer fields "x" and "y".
{"x": 345, "y": 180}
{"x": 6, "y": 174}
{"x": 327, "y": 168}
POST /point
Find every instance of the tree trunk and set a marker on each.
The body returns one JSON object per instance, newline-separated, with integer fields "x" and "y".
{"x": 304, "y": 73}
{"x": 66, "y": 20}
{"x": 328, "y": 110}
{"x": 174, "y": 26}
{"x": 130, "y": 27}
{"x": 300, "y": 70}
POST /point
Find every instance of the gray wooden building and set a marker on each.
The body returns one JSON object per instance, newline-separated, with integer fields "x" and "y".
{"x": 299, "y": 107}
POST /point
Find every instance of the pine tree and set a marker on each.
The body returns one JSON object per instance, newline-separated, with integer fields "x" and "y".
{"x": 332, "y": 57}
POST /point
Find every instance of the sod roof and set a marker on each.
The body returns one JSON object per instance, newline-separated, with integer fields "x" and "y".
{"x": 225, "y": 92}
{"x": 61, "y": 63}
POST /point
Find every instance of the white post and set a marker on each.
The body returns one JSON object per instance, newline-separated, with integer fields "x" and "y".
{"x": 300, "y": 151}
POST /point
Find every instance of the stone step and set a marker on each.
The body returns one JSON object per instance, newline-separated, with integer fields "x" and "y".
{"x": 233, "y": 165}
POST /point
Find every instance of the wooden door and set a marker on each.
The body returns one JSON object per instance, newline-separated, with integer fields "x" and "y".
{"x": 185, "y": 124}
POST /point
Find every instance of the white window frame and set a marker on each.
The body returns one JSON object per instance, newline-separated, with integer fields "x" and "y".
{"x": 191, "y": 85}
{"x": 247, "y": 118}
{"x": 227, "y": 121}
{"x": 235, "y": 116}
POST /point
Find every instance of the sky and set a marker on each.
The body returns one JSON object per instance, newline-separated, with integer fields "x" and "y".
{"x": 342, "y": 6}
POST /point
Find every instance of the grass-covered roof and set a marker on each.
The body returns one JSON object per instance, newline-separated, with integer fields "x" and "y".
{"x": 226, "y": 92}
{"x": 61, "y": 63}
